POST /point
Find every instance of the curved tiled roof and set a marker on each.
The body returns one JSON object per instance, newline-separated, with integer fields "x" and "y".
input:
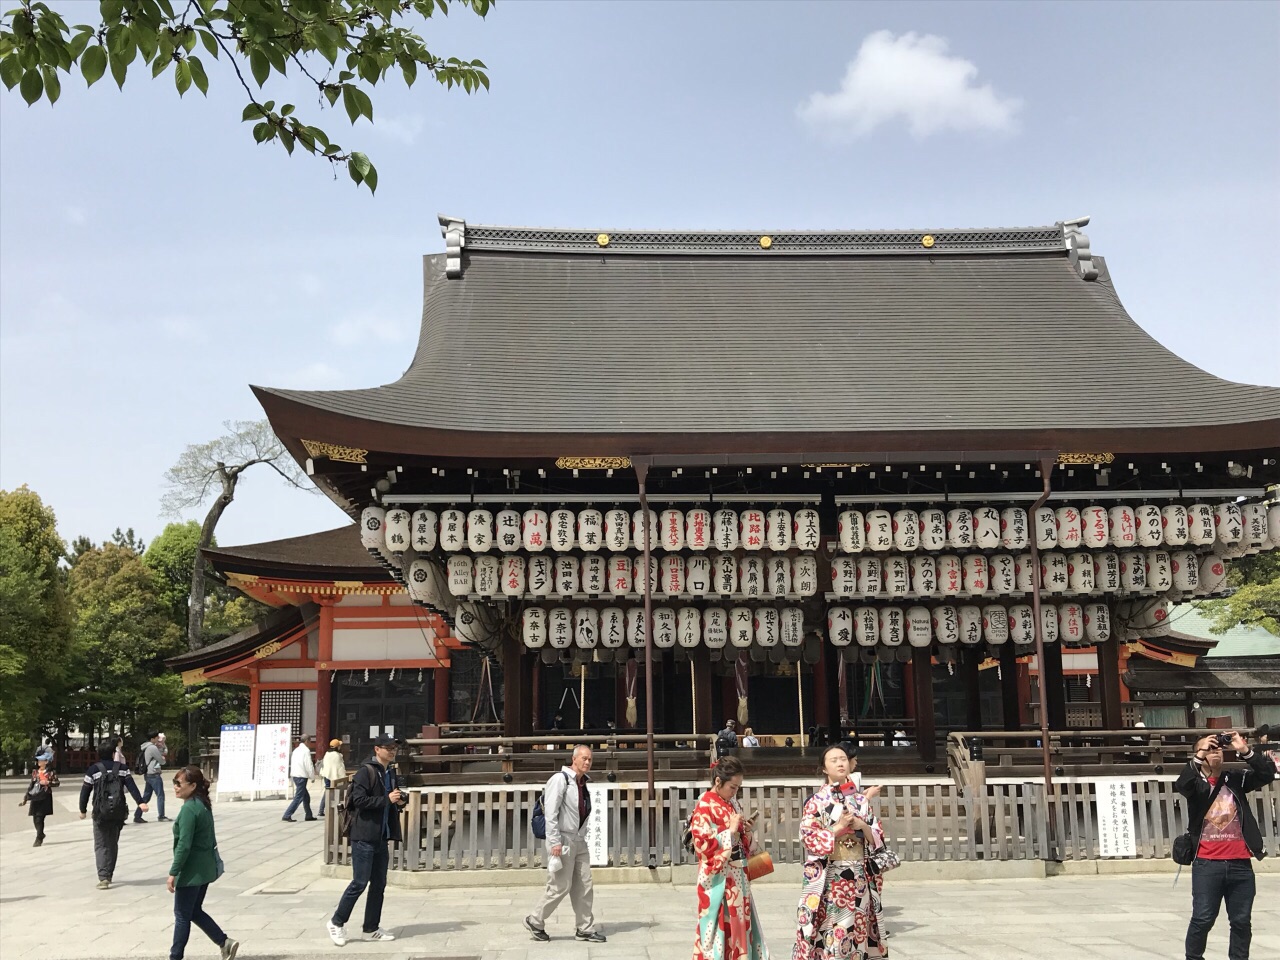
{"x": 328, "y": 552}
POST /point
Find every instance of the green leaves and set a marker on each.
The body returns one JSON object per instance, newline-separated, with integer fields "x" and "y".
{"x": 260, "y": 65}
{"x": 357, "y": 102}
{"x": 198, "y": 76}
{"x": 362, "y": 171}
{"x": 32, "y": 86}
{"x": 182, "y": 76}
{"x": 93, "y": 64}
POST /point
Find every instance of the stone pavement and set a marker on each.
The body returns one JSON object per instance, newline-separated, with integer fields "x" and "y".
{"x": 274, "y": 900}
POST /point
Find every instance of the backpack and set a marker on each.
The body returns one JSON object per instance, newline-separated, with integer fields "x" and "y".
{"x": 108, "y": 796}
{"x": 346, "y": 812}
{"x": 539, "y": 818}
{"x": 140, "y": 764}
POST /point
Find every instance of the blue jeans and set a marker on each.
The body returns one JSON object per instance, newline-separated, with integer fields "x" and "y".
{"x": 324, "y": 795}
{"x": 155, "y": 785}
{"x": 300, "y": 796}
{"x": 1212, "y": 881}
{"x": 368, "y": 869}
{"x": 188, "y": 908}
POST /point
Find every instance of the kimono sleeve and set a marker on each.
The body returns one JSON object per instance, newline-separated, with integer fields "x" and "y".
{"x": 817, "y": 836}
{"x": 712, "y": 843}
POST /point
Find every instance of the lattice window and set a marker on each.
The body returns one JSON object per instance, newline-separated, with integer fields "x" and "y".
{"x": 281, "y": 706}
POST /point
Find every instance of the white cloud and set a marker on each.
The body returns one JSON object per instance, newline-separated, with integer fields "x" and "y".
{"x": 910, "y": 78}
{"x": 366, "y": 328}
{"x": 403, "y": 129}
{"x": 76, "y": 216}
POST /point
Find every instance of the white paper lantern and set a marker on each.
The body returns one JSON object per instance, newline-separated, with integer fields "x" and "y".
{"x": 950, "y": 575}
{"x": 617, "y": 530}
{"x": 561, "y": 524}
{"x": 1080, "y": 572}
{"x": 423, "y": 583}
{"x": 1254, "y": 524}
{"x": 724, "y": 574}
{"x": 1014, "y": 529}
{"x": 1045, "y": 527}
{"x": 398, "y": 531}
{"x": 1213, "y": 575}
{"x": 778, "y": 529}
{"x": 869, "y": 576}
{"x": 724, "y": 530}
{"x": 697, "y": 530}
{"x": 807, "y": 533}
{"x": 792, "y": 626}
{"x": 946, "y": 624}
{"x": 560, "y": 627}
{"x": 637, "y": 574}
{"x": 672, "y": 571}
{"x": 919, "y": 632}
{"x": 1150, "y": 529}
{"x": 635, "y": 627}
{"x": 1097, "y": 623}
{"x": 975, "y": 573}
{"x": 637, "y": 535}
{"x": 461, "y": 575}
{"x": 1133, "y": 571}
{"x": 671, "y": 524}
{"x": 506, "y": 530}
{"x": 1123, "y": 527}
{"x": 688, "y": 627}
{"x": 664, "y": 627}
{"x": 513, "y": 576}
{"x": 1071, "y": 623}
{"x": 1201, "y": 530}
{"x": 533, "y": 627}
{"x": 995, "y": 624}
{"x": 897, "y": 576}
{"x": 970, "y": 624}
{"x": 766, "y": 626}
{"x": 479, "y": 530}
{"x": 1000, "y": 574}
{"x": 924, "y": 576}
{"x": 425, "y": 524}
{"x": 590, "y": 532}
{"x": 453, "y": 530}
{"x": 1186, "y": 571}
{"x": 1106, "y": 572}
{"x": 844, "y": 576}
{"x": 1229, "y": 550}
{"x": 1053, "y": 572}
{"x": 1049, "y": 622}
{"x": 613, "y": 627}
{"x": 715, "y": 627}
{"x": 1022, "y": 623}
{"x": 933, "y": 529}
{"x": 804, "y": 575}
{"x": 533, "y": 530}
{"x": 697, "y": 576}
{"x": 595, "y": 574}
{"x": 751, "y": 579}
{"x": 1067, "y": 520}
{"x": 1024, "y": 573}
{"x": 751, "y": 529}
{"x": 1095, "y": 527}
{"x": 879, "y": 530}
{"x": 1173, "y": 518}
{"x": 840, "y": 626}
{"x": 586, "y": 627}
{"x": 906, "y": 530}
{"x": 372, "y": 522}
{"x": 566, "y": 576}
{"x": 488, "y": 574}
{"x": 893, "y": 626}
{"x": 986, "y": 528}
{"x": 541, "y": 574}
{"x": 777, "y": 576}
{"x": 960, "y": 528}
{"x": 866, "y": 626}
{"x": 851, "y": 531}
{"x": 1159, "y": 571}
{"x": 741, "y": 627}
{"x": 1273, "y": 525}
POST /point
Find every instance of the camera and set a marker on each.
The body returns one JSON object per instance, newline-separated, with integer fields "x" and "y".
{"x": 1224, "y": 740}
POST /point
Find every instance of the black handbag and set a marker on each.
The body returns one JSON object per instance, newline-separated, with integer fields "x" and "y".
{"x": 1184, "y": 846}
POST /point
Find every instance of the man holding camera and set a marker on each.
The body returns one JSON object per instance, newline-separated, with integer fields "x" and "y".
{"x": 377, "y": 801}
{"x": 1226, "y": 838}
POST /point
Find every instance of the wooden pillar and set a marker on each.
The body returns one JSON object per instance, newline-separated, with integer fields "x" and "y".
{"x": 972, "y": 687}
{"x": 703, "y": 716}
{"x": 1054, "y": 689}
{"x": 728, "y": 699}
{"x": 255, "y": 698}
{"x": 517, "y": 689}
{"x": 1009, "y": 687}
{"x": 324, "y": 686}
{"x": 440, "y": 695}
{"x": 1109, "y": 680}
{"x": 821, "y": 695}
{"x": 926, "y": 728}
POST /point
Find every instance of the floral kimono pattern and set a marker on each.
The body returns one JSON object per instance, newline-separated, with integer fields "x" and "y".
{"x": 728, "y": 928}
{"x": 839, "y": 908}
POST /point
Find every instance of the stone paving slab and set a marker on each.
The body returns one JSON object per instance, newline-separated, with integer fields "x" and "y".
{"x": 51, "y": 910}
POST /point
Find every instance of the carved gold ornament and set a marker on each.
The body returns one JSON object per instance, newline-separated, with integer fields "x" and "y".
{"x": 766, "y": 243}
{"x": 927, "y": 241}
{"x": 810, "y": 466}
{"x": 1086, "y": 458}
{"x": 334, "y": 451}
{"x": 267, "y": 649}
{"x": 602, "y": 239}
{"x": 593, "y": 463}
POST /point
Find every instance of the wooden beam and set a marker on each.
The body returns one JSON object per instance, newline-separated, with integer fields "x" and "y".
{"x": 1109, "y": 681}
{"x": 1056, "y": 692}
{"x": 1009, "y": 687}
{"x": 970, "y": 661}
{"x": 517, "y": 688}
{"x": 926, "y": 727}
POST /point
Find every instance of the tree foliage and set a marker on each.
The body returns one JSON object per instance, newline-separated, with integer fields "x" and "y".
{"x": 1256, "y": 601}
{"x": 342, "y": 47}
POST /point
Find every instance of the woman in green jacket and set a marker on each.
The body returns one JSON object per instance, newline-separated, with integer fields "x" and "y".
{"x": 195, "y": 864}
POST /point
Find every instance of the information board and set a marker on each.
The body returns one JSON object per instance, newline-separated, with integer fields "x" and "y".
{"x": 598, "y": 826}
{"x": 235, "y": 758}
{"x": 1115, "y": 817}
{"x": 271, "y": 758}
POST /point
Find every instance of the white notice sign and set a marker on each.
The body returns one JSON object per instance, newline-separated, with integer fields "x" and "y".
{"x": 271, "y": 758}
{"x": 598, "y": 826}
{"x": 1115, "y": 817}
{"x": 235, "y": 758}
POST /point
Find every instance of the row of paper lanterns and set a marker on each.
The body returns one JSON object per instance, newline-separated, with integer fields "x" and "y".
{"x": 1250, "y": 527}
{"x": 994, "y": 623}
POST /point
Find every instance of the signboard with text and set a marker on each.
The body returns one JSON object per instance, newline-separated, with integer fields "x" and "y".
{"x": 1115, "y": 817}
{"x": 271, "y": 758}
{"x": 598, "y": 827}
{"x": 235, "y": 758}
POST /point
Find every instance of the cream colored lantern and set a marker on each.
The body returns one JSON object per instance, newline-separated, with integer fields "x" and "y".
{"x": 960, "y": 528}
{"x": 1273, "y": 525}
{"x": 893, "y": 626}
{"x": 566, "y": 576}
{"x": 933, "y": 529}
{"x": 852, "y": 531}
{"x": 1068, "y": 521}
{"x": 792, "y": 626}
{"x": 586, "y": 628}
{"x": 488, "y": 574}
{"x": 741, "y": 627}
{"x": 562, "y": 524}
{"x": 1022, "y": 623}
{"x": 398, "y": 531}
{"x": 950, "y": 575}
{"x": 1254, "y": 524}
{"x": 1095, "y": 527}
{"x": 617, "y": 530}
{"x": 1045, "y": 528}
{"x": 1071, "y": 623}
{"x": 373, "y": 520}
{"x": 1186, "y": 571}
{"x": 751, "y": 576}
{"x": 946, "y": 624}
{"x": 975, "y": 573}
{"x": 1123, "y": 526}
{"x": 637, "y": 574}
{"x": 1014, "y": 529}
{"x": 425, "y": 526}
{"x": 724, "y": 574}
{"x": 751, "y": 529}
{"x": 590, "y": 530}
{"x": 672, "y": 573}
{"x": 778, "y": 529}
{"x": 897, "y": 576}
{"x": 461, "y": 575}
{"x": 595, "y": 574}
{"x": 671, "y": 524}
{"x": 869, "y": 576}
{"x": 986, "y": 528}
{"x": 613, "y": 627}
{"x": 1053, "y": 572}
{"x": 766, "y": 626}
{"x": 715, "y": 627}
{"x": 806, "y": 530}
{"x": 479, "y": 530}
{"x": 1159, "y": 571}
{"x": 422, "y": 582}
{"x": 1097, "y": 623}
{"x": 635, "y": 627}
{"x": 533, "y": 627}
{"x": 995, "y": 624}
{"x": 533, "y": 529}
{"x": 621, "y": 576}
{"x": 879, "y": 529}
{"x": 840, "y": 626}
{"x": 697, "y": 576}
{"x": 1080, "y": 572}
{"x": 906, "y": 530}
{"x": 697, "y": 529}
{"x": 541, "y": 575}
{"x": 637, "y": 535}
{"x": 453, "y": 530}
{"x": 804, "y": 574}
{"x": 924, "y": 576}
{"x": 866, "y": 626}
{"x": 1200, "y": 526}
{"x": 1024, "y": 573}
{"x": 1000, "y": 574}
{"x": 1173, "y": 517}
{"x": 970, "y": 624}
{"x": 688, "y": 627}
{"x": 1150, "y": 529}
{"x": 919, "y": 632}
{"x": 778, "y": 576}
{"x": 1049, "y": 622}
{"x": 724, "y": 530}
{"x": 1106, "y": 572}
{"x": 1133, "y": 571}
{"x": 506, "y": 530}
{"x": 664, "y": 627}
{"x": 513, "y": 576}
{"x": 1213, "y": 574}
{"x": 560, "y": 627}
{"x": 844, "y": 576}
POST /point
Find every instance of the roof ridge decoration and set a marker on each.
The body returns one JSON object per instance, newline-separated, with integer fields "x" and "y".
{"x": 460, "y": 235}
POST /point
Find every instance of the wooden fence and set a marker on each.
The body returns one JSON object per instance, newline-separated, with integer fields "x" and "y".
{"x": 488, "y": 827}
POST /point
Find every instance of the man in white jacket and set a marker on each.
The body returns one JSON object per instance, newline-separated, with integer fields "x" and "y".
{"x": 566, "y": 804}
{"x": 302, "y": 770}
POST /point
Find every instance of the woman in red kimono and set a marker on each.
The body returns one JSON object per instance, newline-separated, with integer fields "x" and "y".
{"x": 728, "y": 928}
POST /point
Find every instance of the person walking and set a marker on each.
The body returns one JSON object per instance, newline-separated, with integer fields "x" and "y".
{"x": 333, "y": 769}
{"x": 302, "y": 770}
{"x": 196, "y": 864}
{"x": 377, "y": 800}
{"x": 1226, "y": 838}
{"x": 39, "y": 795}
{"x": 728, "y": 926}
{"x": 106, "y": 782}
{"x": 118, "y": 756}
{"x": 151, "y": 764}
{"x": 566, "y": 803}
{"x": 838, "y": 915}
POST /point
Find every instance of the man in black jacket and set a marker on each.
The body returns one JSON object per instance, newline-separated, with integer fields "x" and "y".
{"x": 108, "y": 817}
{"x": 1226, "y": 836}
{"x": 377, "y": 801}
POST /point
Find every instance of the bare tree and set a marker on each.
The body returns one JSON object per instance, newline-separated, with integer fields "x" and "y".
{"x": 215, "y": 467}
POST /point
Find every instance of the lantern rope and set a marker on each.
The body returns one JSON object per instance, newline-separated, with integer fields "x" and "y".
{"x": 800, "y": 698}
{"x": 582, "y": 696}
{"x": 693, "y": 695}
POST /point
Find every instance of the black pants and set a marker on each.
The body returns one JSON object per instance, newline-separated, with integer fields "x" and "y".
{"x": 1213, "y": 881}
{"x": 368, "y": 869}
{"x": 106, "y": 846}
{"x": 39, "y": 819}
{"x": 188, "y": 908}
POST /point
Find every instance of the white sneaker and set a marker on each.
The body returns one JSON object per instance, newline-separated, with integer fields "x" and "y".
{"x": 337, "y": 934}
{"x": 380, "y": 934}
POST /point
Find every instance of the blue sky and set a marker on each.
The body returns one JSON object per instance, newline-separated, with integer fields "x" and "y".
{"x": 154, "y": 261}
